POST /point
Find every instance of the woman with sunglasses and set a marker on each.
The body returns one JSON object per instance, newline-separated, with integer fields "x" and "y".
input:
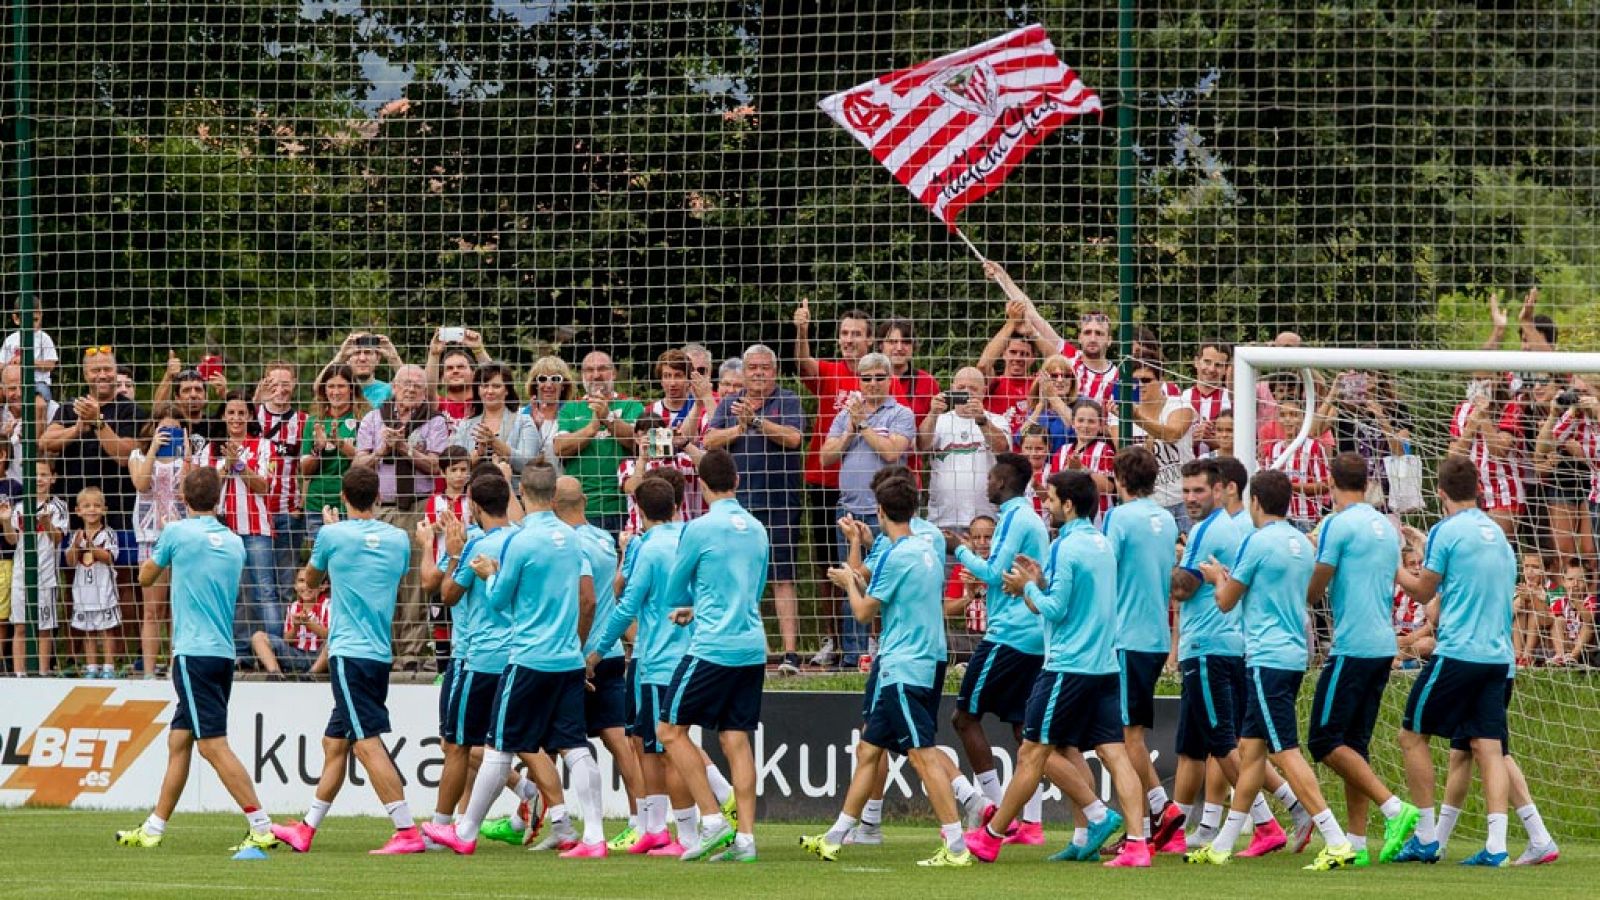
{"x": 1049, "y": 404}
{"x": 1163, "y": 423}
{"x": 550, "y": 384}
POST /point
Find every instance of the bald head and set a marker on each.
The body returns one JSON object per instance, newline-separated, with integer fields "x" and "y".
{"x": 569, "y": 500}
{"x": 1286, "y": 339}
{"x": 971, "y": 380}
{"x": 599, "y": 374}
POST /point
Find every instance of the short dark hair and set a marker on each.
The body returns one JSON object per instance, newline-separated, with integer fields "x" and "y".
{"x": 859, "y": 314}
{"x": 1271, "y": 489}
{"x": 539, "y": 482}
{"x": 1078, "y": 490}
{"x": 495, "y": 369}
{"x": 1546, "y": 327}
{"x": 898, "y": 499}
{"x": 896, "y": 323}
{"x": 490, "y": 493}
{"x": 670, "y": 476}
{"x": 888, "y": 472}
{"x": 1137, "y": 470}
{"x": 1219, "y": 346}
{"x": 202, "y": 488}
{"x": 655, "y": 499}
{"x": 646, "y": 421}
{"x": 718, "y": 471}
{"x": 1349, "y": 471}
{"x": 1458, "y": 479}
{"x": 360, "y": 488}
{"x": 1234, "y": 473}
{"x": 1015, "y": 472}
{"x": 451, "y": 455}
{"x": 485, "y": 467}
{"x": 1195, "y": 468}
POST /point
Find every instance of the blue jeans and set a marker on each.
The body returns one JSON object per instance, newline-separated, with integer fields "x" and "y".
{"x": 288, "y": 537}
{"x": 262, "y": 607}
{"x": 853, "y": 635}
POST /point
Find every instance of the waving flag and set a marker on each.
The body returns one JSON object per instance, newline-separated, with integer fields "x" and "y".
{"x": 951, "y": 130}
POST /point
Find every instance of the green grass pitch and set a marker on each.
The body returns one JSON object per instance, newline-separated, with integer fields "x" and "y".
{"x": 71, "y": 853}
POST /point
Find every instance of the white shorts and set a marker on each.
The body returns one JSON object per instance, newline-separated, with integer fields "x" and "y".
{"x": 47, "y": 605}
{"x": 96, "y": 619}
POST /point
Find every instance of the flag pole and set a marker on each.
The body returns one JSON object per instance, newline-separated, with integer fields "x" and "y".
{"x": 975, "y": 251}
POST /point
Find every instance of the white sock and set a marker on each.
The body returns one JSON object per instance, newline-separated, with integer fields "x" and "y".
{"x": 989, "y": 783}
{"x": 1229, "y": 835}
{"x": 633, "y": 817}
{"x": 1358, "y": 841}
{"x": 744, "y": 840}
{"x": 1033, "y": 810}
{"x": 586, "y": 784}
{"x": 872, "y": 813}
{"x": 1496, "y": 842}
{"x": 962, "y": 788}
{"x": 1095, "y": 812}
{"x": 1533, "y": 823}
{"x": 1448, "y": 816}
{"x": 1157, "y": 798}
{"x": 713, "y": 823}
{"x": 259, "y": 821}
{"x": 1211, "y": 817}
{"x": 688, "y": 822}
{"x": 656, "y": 822}
{"x": 1260, "y": 812}
{"x": 1427, "y": 832}
{"x": 720, "y": 788}
{"x": 1332, "y": 834}
{"x": 491, "y": 780}
{"x": 953, "y": 841}
{"x": 154, "y": 824}
{"x": 1189, "y": 821}
{"x": 400, "y": 814}
{"x": 1080, "y": 837}
{"x": 527, "y": 790}
{"x": 1285, "y": 795}
{"x": 1391, "y": 807}
{"x": 557, "y": 813}
{"x": 319, "y": 808}
{"x": 841, "y": 827}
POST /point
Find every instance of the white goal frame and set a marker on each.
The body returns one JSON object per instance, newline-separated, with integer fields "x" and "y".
{"x": 1248, "y": 362}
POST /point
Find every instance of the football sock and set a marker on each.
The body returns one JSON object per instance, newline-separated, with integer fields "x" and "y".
{"x": 953, "y": 841}
{"x": 1427, "y": 832}
{"x": 1328, "y": 825}
{"x": 319, "y": 808}
{"x": 1211, "y": 817}
{"x": 1095, "y": 812}
{"x": 586, "y": 784}
{"x": 633, "y": 819}
{"x": 1080, "y": 837}
{"x": 1260, "y": 812}
{"x": 962, "y": 788}
{"x": 713, "y": 823}
{"x": 657, "y": 820}
{"x": 745, "y": 840}
{"x": 527, "y": 790}
{"x": 841, "y": 827}
{"x": 259, "y": 821}
{"x": 400, "y": 814}
{"x": 1358, "y": 841}
{"x": 720, "y": 787}
{"x": 1534, "y": 824}
{"x": 1229, "y": 835}
{"x": 989, "y": 783}
{"x": 1189, "y": 821}
{"x": 1033, "y": 810}
{"x": 872, "y": 814}
{"x": 688, "y": 821}
{"x": 1157, "y": 798}
{"x": 557, "y": 813}
{"x": 155, "y": 825}
{"x": 517, "y": 823}
{"x": 1285, "y": 795}
{"x": 1496, "y": 842}
{"x": 1391, "y": 807}
{"x": 490, "y": 781}
{"x": 1448, "y": 816}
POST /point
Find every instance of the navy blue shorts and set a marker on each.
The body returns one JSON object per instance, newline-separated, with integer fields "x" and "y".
{"x": 360, "y": 698}
{"x": 1072, "y": 710}
{"x": 869, "y": 695}
{"x": 902, "y": 717}
{"x": 1211, "y": 706}
{"x": 536, "y": 711}
{"x": 1465, "y": 744}
{"x": 1346, "y": 703}
{"x": 607, "y": 705}
{"x": 721, "y": 698}
{"x": 471, "y": 705}
{"x": 783, "y": 537}
{"x": 1458, "y": 700}
{"x": 647, "y": 702}
{"x": 204, "y": 684}
{"x": 1269, "y": 713}
{"x": 447, "y": 688}
{"x": 630, "y": 707}
{"x": 998, "y": 681}
{"x": 1140, "y": 672}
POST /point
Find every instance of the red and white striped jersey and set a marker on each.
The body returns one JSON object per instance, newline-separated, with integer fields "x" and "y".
{"x": 243, "y": 510}
{"x": 1309, "y": 462}
{"x": 1098, "y": 458}
{"x": 1573, "y": 427}
{"x": 1208, "y": 406}
{"x": 299, "y": 636}
{"x": 692, "y": 502}
{"x": 1499, "y": 477}
{"x": 283, "y": 431}
{"x": 691, "y": 407}
{"x": 1408, "y": 614}
{"x": 1099, "y": 385}
{"x": 437, "y": 504}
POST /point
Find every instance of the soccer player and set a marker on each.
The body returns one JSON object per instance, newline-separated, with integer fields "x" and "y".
{"x": 1144, "y": 539}
{"x": 365, "y": 560}
{"x": 720, "y": 571}
{"x": 907, "y": 586}
{"x": 1355, "y": 556}
{"x": 1074, "y": 698}
{"x": 1460, "y": 692}
{"x": 1235, "y": 478}
{"x": 206, "y": 561}
{"x": 1268, "y": 584}
{"x": 538, "y": 705}
{"x": 605, "y": 700}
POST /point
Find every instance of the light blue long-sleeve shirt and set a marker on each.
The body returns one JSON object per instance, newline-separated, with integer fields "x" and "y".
{"x": 1020, "y": 530}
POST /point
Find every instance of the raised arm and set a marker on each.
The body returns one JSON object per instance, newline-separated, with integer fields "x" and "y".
{"x": 804, "y": 362}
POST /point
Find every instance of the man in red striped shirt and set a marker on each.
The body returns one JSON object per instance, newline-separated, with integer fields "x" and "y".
{"x": 1209, "y": 397}
{"x": 282, "y": 426}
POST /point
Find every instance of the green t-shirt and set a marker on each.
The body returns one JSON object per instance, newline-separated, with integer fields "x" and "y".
{"x": 596, "y": 465}
{"x": 322, "y": 489}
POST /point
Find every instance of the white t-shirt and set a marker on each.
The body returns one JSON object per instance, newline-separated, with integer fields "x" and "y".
{"x": 14, "y": 468}
{"x": 162, "y": 503}
{"x": 45, "y": 552}
{"x": 1171, "y": 455}
{"x": 44, "y": 350}
{"x": 94, "y": 585}
{"x": 958, "y": 469}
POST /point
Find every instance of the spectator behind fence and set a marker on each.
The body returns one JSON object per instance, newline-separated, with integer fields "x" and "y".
{"x": 960, "y": 438}
{"x": 589, "y": 440}
{"x": 1366, "y": 417}
{"x": 1049, "y": 403}
{"x": 45, "y": 522}
{"x": 914, "y": 388}
{"x": 763, "y": 428}
{"x": 328, "y": 445}
{"x": 401, "y": 441}
{"x": 451, "y": 366}
{"x": 1091, "y": 451}
{"x": 1565, "y": 456}
{"x": 361, "y": 351}
{"x": 11, "y": 419}
{"x": 494, "y": 428}
{"x": 687, "y": 400}
{"x": 730, "y": 377}
{"x": 244, "y": 463}
{"x": 964, "y": 593}
{"x": 305, "y": 631}
{"x": 283, "y": 427}
{"x": 1013, "y": 348}
{"x": 156, "y": 471}
{"x": 550, "y": 386}
{"x": 1209, "y": 396}
{"x": 657, "y": 450}
{"x": 1162, "y": 423}
{"x": 191, "y": 391}
{"x": 45, "y": 357}
{"x": 92, "y": 553}
{"x": 1307, "y": 468}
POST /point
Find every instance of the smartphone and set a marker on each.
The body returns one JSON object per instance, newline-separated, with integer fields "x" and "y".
{"x": 661, "y": 443}
{"x": 368, "y": 340}
{"x": 210, "y": 367}
{"x": 452, "y": 335}
{"x": 174, "y": 446}
{"x": 957, "y": 398}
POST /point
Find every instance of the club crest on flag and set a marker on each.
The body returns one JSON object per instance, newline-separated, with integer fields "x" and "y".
{"x": 973, "y": 89}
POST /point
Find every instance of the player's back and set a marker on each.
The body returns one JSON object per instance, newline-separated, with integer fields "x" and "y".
{"x": 539, "y": 571}
{"x": 908, "y": 579}
{"x": 1080, "y": 628}
{"x": 1144, "y": 538}
{"x": 600, "y": 548}
{"x": 722, "y": 564}
{"x": 365, "y": 560}
{"x": 1203, "y": 629}
{"x": 1364, "y": 549}
{"x": 1478, "y": 582}
{"x": 1276, "y": 562}
{"x": 660, "y": 644}
{"x": 488, "y": 624}
{"x": 207, "y": 561}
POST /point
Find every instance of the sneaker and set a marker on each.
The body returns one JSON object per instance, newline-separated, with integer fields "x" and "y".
{"x": 1416, "y": 851}
{"x": 297, "y": 835}
{"x": 944, "y": 859}
{"x": 1169, "y": 827}
{"x": 262, "y": 840}
{"x": 138, "y": 837}
{"x": 1539, "y": 855}
{"x": 1178, "y": 843}
{"x": 500, "y": 830}
{"x": 1363, "y": 859}
{"x": 1100, "y": 832}
{"x": 596, "y": 850}
{"x": 710, "y": 842}
{"x": 790, "y": 665}
{"x": 730, "y": 811}
{"x": 817, "y": 845}
{"x": 404, "y": 841}
{"x": 989, "y": 810}
{"x": 445, "y": 836}
{"x": 866, "y": 835}
{"x": 1134, "y": 855}
{"x": 972, "y": 810}
{"x": 1070, "y": 853}
{"x": 1029, "y": 834}
{"x": 625, "y": 838}
{"x": 735, "y": 854}
{"x": 1396, "y": 831}
{"x": 670, "y": 848}
{"x": 826, "y": 655}
{"x": 982, "y": 844}
{"x": 1304, "y": 828}
{"x": 1200, "y": 837}
{"x": 1486, "y": 859}
{"x": 1340, "y": 857}
{"x": 533, "y": 814}
{"x": 1113, "y": 848}
{"x": 1207, "y": 855}
{"x": 562, "y": 837}
{"x": 649, "y": 842}
{"x": 1268, "y": 838}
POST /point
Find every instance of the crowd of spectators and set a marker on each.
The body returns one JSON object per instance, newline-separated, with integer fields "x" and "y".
{"x": 107, "y": 469}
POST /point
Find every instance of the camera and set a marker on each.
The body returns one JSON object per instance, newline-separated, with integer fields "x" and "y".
{"x": 661, "y": 443}
{"x": 957, "y": 398}
{"x": 368, "y": 340}
{"x": 452, "y": 335}
{"x": 1567, "y": 398}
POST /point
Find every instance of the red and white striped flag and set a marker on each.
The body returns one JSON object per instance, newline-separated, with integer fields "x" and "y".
{"x": 951, "y": 130}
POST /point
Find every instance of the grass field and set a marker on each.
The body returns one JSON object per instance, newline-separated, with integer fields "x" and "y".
{"x": 56, "y": 853}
